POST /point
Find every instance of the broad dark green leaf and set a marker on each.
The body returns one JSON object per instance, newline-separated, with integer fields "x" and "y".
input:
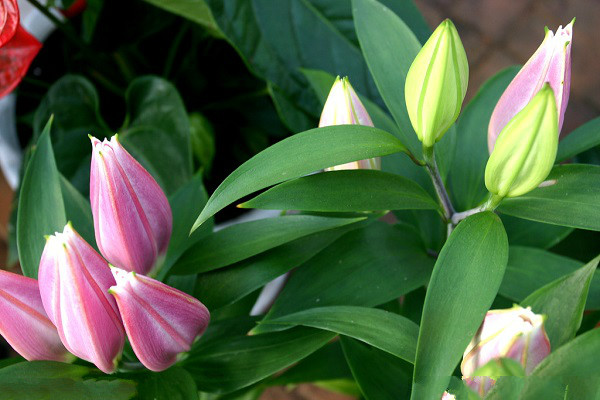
{"x": 569, "y": 198}
{"x": 466, "y": 183}
{"x": 157, "y": 131}
{"x": 522, "y": 232}
{"x": 42, "y": 380}
{"x": 173, "y": 384}
{"x": 41, "y": 208}
{"x": 390, "y": 47}
{"x": 235, "y": 363}
{"x": 337, "y": 191}
{"x": 581, "y": 139}
{"x": 464, "y": 283}
{"x": 299, "y": 155}
{"x": 563, "y": 301}
{"x": 325, "y": 364}
{"x": 385, "y": 330}
{"x": 379, "y": 375}
{"x": 194, "y": 10}
{"x": 78, "y": 211}
{"x": 73, "y": 101}
{"x": 186, "y": 203}
{"x": 226, "y": 285}
{"x": 529, "y": 269}
{"x": 247, "y": 239}
{"x": 365, "y": 267}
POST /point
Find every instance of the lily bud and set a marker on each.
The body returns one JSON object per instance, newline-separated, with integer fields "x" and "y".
{"x": 161, "y": 322}
{"x": 526, "y": 148}
{"x": 550, "y": 63}
{"x": 74, "y": 281}
{"x": 132, "y": 216}
{"x": 436, "y": 84}
{"x": 24, "y": 323}
{"x": 343, "y": 107}
{"x": 515, "y": 333}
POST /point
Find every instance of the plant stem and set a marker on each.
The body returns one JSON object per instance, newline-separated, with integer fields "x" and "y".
{"x": 438, "y": 184}
{"x": 490, "y": 205}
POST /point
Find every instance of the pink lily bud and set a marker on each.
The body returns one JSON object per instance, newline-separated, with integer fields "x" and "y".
{"x": 161, "y": 322}
{"x": 550, "y": 63}
{"x": 515, "y": 333}
{"x": 74, "y": 281}
{"x": 343, "y": 107}
{"x": 24, "y": 323}
{"x": 132, "y": 216}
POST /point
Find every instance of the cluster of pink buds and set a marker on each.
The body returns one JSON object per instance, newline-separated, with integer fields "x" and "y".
{"x": 82, "y": 304}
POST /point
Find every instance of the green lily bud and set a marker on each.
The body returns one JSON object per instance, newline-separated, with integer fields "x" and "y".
{"x": 525, "y": 149}
{"x": 436, "y": 84}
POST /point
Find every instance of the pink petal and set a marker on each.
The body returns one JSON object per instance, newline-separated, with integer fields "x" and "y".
{"x": 160, "y": 321}
{"x": 23, "y": 321}
{"x": 132, "y": 216}
{"x": 74, "y": 282}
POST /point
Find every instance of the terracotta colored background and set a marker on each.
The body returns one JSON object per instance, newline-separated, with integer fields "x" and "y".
{"x": 496, "y": 34}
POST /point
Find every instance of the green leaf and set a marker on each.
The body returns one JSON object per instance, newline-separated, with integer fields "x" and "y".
{"x": 581, "y": 139}
{"x": 529, "y": 269}
{"x": 226, "y": 285}
{"x": 522, "y": 232}
{"x": 73, "y": 101}
{"x": 41, "y": 208}
{"x": 336, "y": 191}
{"x": 464, "y": 283}
{"x": 466, "y": 180}
{"x": 563, "y": 302}
{"x": 78, "y": 211}
{"x": 390, "y": 47}
{"x": 501, "y": 367}
{"x": 365, "y": 267}
{"x": 157, "y": 131}
{"x": 247, "y": 239}
{"x": 235, "y": 363}
{"x": 570, "y": 198}
{"x": 379, "y": 375}
{"x": 386, "y": 331}
{"x": 325, "y": 364}
{"x": 299, "y": 155}
{"x": 195, "y": 10}
{"x": 173, "y": 384}
{"x": 41, "y": 380}
{"x": 186, "y": 203}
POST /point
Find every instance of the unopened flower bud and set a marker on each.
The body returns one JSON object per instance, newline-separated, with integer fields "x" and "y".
{"x": 161, "y": 322}
{"x": 343, "y": 107}
{"x": 132, "y": 216}
{"x": 526, "y": 148}
{"x": 23, "y": 320}
{"x": 74, "y": 281}
{"x": 550, "y": 63}
{"x": 436, "y": 84}
{"x": 515, "y": 333}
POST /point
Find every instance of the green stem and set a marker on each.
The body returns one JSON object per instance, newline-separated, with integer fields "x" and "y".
{"x": 438, "y": 184}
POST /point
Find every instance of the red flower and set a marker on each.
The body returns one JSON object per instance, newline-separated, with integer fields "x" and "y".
{"x": 9, "y": 20}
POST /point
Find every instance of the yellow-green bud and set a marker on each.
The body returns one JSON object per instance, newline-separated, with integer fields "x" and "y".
{"x": 436, "y": 84}
{"x": 525, "y": 149}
